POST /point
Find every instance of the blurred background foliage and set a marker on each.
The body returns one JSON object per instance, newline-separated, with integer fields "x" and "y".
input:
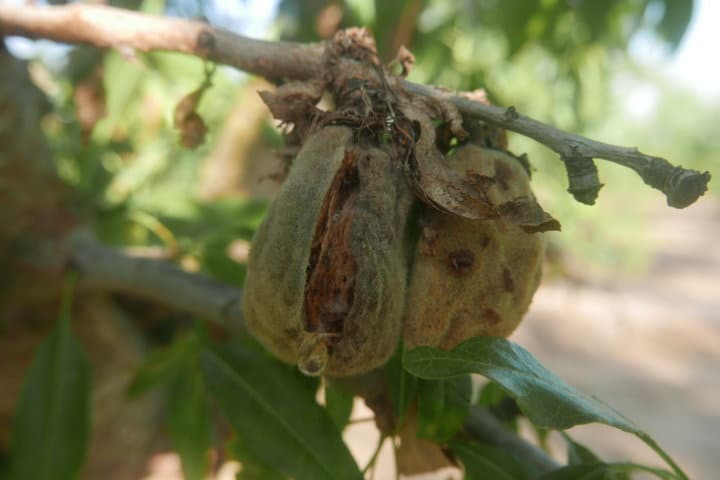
{"x": 563, "y": 62}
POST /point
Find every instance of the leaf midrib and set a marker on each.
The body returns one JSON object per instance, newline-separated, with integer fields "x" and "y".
{"x": 626, "y": 426}
{"x": 258, "y": 399}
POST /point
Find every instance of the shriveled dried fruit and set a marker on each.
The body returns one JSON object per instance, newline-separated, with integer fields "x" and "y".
{"x": 474, "y": 277}
{"x": 327, "y": 269}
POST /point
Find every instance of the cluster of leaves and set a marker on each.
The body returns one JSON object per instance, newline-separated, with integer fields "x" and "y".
{"x": 130, "y": 174}
{"x": 278, "y": 428}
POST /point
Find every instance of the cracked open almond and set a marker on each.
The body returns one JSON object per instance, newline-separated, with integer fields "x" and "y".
{"x": 327, "y": 268}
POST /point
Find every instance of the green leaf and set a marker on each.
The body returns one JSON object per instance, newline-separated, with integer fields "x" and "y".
{"x": 163, "y": 365}
{"x": 443, "y": 406}
{"x": 675, "y": 21}
{"x": 578, "y": 453}
{"x": 491, "y": 394}
{"x": 483, "y": 461}
{"x": 274, "y": 413}
{"x": 603, "y": 471}
{"x": 217, "y": 263}
{"x": 401, "y": 385}
{"x": 542, "y": 435}
{"x": 252, "y": 467}
{"x": 542, "y": 396}
{"x": 189, "y": 423}
{"x": 51, "y": 424}
{"x": 339, "y": 405}
{"x": 501, "y": 405}
{"x": 188, "y": 417}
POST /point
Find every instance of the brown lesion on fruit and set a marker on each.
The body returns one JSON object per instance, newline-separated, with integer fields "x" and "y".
{"x": 491, "y": 316}
{"x": 331, "y": 272}
{"x": 461, "y": 261}
{"x": 507, "y": 280}
{"x": 504, "y": 175}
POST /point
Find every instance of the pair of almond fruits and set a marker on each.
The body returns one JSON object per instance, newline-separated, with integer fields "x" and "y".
{"x": 359, "y": 251}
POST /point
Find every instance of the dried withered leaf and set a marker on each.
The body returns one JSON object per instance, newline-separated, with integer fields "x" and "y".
{"x": 482, "y": 274}
{"x": 293, "y": 101}
{"x": 503, "y": 181}
{"x": 466, "y": 187}
{"x": 90, "y": 102}
{"x": 433, "y": 180}
{"x": 405, "y": 59}
{"x": 326, "y": 274}
{"x": 191, "y": 125}
{"x": 356, "y": 43}
{"x": 417, "y": 455}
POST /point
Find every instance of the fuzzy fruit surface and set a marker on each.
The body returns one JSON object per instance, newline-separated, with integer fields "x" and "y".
{"x": 473, "y": 277}
{"x": 327, "y": 269}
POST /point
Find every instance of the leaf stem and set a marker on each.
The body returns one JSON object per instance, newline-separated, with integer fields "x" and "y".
{"x": 650, "y": 442}
{"x": 373, "y": 459}
{"x": 66, "y": 299}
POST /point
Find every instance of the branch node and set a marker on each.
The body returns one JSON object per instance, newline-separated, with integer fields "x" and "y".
{"x": 511, "y": 113}
{"x": 583, "y": 181}
{"x": 205, "y": 43}
{"x": 681, "y": 186}
{"x": 686, "y": 186}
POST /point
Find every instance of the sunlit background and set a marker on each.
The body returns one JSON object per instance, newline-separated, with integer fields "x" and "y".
{"x": 630, "y": 306}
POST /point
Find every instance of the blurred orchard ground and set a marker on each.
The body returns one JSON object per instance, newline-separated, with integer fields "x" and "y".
{"x": 629, "y": 309}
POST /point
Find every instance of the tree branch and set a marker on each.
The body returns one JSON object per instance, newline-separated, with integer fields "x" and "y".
{"x": 106, "y": 268}
{"x": 681, "y": 186}
{"x": 110, "y": 27}
{"x": 482, "y": 426}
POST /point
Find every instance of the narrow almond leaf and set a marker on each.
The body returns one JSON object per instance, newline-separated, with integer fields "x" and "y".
{"x": 443, "y": 406}
{"x": 500, "y": 404}
{"x": 189, "y": 422}
{"x": 483, "y": 461}
{"x": 542, "y": 396}
{"x": 401, "y": 385}
{"x": 579, "y": 453}
{"x": 163, "y": 365}
{"x": 252, "y": 467}
{"x": 491, "y": 395}
{"x": 603, "y": 471}
{"x": 273, "y": 412}
{"x": 339, "y": 405}
{"x": 51, "y": 424}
